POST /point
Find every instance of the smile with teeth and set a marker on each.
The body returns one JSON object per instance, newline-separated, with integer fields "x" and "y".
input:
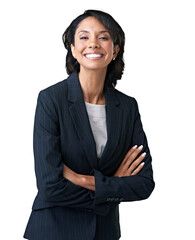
{"x": 93, "y": 56}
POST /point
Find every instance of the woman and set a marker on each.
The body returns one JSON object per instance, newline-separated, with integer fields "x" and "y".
{"x": 89, "y": 144}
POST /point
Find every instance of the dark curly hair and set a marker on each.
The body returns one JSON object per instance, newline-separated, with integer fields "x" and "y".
{"x": 116, "y": 67}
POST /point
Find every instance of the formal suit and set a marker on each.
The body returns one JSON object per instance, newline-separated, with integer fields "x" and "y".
{"x": 62, "y": 134}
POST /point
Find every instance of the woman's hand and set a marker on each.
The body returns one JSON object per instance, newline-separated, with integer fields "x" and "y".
{"x": 130, "y": 165}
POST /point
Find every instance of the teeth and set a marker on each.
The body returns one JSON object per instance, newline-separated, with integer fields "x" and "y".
{"x": 93, "y": 55}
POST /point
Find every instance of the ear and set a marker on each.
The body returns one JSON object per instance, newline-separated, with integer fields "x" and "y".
{"x": 116, "y": 50}
{"x": 73, "y": 50}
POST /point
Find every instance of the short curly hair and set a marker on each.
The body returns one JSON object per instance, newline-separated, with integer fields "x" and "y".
{"x": 115, "y": 68}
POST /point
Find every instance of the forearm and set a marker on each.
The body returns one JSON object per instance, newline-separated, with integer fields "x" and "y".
{"x": 125, "y": 189}
{"x": 85, "y": 181}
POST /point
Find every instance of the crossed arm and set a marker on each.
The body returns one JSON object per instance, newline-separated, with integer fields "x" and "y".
{"x": 131, "y": 165}
{"x": 59, "y": 185}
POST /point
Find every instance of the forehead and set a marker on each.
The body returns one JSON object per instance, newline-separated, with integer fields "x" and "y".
{"x": 90, "y": 24}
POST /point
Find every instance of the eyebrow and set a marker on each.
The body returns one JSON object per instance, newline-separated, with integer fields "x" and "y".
{"x": 85, "y": 31}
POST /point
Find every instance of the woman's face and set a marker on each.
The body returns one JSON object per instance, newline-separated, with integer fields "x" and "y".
{"x": 93, "y": 46}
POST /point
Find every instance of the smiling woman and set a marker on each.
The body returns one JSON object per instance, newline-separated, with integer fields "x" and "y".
{"x": 108, "y": 30}
{"x": 89, "y": 143}
{"x": 93, "y": 46}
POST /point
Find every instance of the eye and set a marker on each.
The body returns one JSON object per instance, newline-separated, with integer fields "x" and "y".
{"x": 104, "y": 37}
{"x": 84, "y": 37}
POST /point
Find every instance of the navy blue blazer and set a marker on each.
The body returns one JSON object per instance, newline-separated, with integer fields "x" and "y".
{"x": 62, "y": 134}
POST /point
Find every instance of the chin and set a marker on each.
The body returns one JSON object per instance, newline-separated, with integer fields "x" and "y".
{"x": 94, "y": 66}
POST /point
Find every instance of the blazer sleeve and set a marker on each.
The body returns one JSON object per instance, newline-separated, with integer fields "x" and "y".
{"x": 52, "y": 186}
{"x": 129, "y": 188}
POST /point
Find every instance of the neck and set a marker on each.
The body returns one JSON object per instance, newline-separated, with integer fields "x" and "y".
{"x": 92, "y": 84}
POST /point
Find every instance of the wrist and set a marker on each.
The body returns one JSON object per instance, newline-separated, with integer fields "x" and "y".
{"x": 86, "y": 181}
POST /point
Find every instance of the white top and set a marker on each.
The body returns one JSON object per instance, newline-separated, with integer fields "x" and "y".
{"x": 97, "y": 118}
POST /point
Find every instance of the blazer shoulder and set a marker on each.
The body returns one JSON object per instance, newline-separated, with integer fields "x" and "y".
{"x": 55, "y": 93}
{"x": 54, "y": 96}
{"x": 125, "y": 99}
{"x": 55, "y": 89}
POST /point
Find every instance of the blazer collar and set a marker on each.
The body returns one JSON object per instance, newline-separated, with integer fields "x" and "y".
{"x": 81, "y": 122}
{"x": 75, "y": 91}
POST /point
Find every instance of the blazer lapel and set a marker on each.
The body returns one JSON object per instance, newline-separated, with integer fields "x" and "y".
{"x": 114, "y": 119}
{"x": 81, "y": 121}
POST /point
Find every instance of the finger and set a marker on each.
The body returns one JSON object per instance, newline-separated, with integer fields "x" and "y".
{"x": 135, "y": 164}
{"x": 138, "y": 169}
{"x": 129, "y": 153}
{"x": 133, "y": 156}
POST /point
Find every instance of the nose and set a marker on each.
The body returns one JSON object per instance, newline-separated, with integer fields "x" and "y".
{"x": 94, "y": 43}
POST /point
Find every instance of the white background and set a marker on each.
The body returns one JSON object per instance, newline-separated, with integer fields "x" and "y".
{"x": 159, "y": 73}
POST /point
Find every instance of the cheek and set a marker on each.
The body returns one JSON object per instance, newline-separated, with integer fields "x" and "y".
{"x": 109, "y": 47}
{"x": 79, "y": 47}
